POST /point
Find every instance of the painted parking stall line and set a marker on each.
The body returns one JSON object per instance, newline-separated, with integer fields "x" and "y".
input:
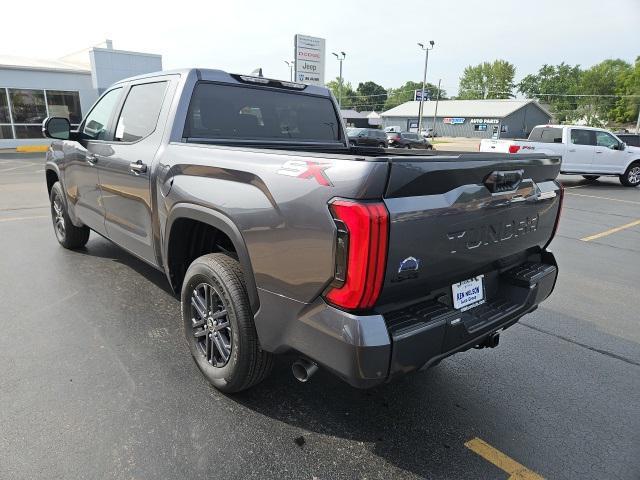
{"x": 610, "y": 231}
{"x": 516, "y": 470}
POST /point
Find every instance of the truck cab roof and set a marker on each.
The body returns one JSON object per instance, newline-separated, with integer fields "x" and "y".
{"x": 213, "y": 75}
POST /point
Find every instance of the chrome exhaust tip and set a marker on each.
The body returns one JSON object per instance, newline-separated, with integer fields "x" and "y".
{"x": 303, "y": 369}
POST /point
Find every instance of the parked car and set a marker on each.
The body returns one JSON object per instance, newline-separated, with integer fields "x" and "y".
{"x": 428, "y": 133}
{"x": 408, "y": 140}
{"x": 279, "y": 238}
{"x": 590, "y": 152}
{"x": 631, "y": 139}
{"x": 367, "y": 137}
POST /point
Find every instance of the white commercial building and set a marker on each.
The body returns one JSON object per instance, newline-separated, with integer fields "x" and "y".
{"x": 33, "y": 89}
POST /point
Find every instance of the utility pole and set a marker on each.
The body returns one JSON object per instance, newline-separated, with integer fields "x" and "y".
{"x": 638, "y": 122}
{"x": 290, "y": 64}
{"x": 340, "y": 59}
{"x": 424, "y": 80}
{"x": 435, "y": 112}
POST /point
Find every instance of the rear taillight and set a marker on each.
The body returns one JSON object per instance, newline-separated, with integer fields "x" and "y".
{"x": 514, "y": 148}
{"x": 361, "y": 253}
{"x": 557, "y": 222}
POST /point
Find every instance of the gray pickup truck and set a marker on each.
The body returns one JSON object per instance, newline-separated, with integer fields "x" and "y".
{"x": 280, "y": 237}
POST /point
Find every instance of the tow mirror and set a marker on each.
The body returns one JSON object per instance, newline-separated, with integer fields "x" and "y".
{"x": 57, "y": 128}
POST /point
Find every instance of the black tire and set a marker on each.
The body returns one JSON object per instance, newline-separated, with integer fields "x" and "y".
{"x": 382, "y": 145}
{"x": 591, "y": 178}
{"x": 631, "y": 178}
{"x": 407, "y": 146}
{"x": 246, "y": 364}
{"x": 68, "y": 235}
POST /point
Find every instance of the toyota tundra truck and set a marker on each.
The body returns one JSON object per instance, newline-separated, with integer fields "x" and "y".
{"x": 280, "y": 237}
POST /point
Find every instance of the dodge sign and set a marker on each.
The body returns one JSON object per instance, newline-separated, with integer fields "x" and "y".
{"x": 309, "y": 57}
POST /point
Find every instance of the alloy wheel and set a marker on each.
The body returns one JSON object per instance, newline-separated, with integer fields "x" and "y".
{"x": 634, "y": 175}
{"x": 210, "y": 324}
{"x": 57, "y": 212}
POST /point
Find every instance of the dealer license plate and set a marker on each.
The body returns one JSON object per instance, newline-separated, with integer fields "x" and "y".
{"x": 468, "y": 293}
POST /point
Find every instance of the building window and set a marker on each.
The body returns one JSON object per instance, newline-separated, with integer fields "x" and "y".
{"x": 27, "y": 106}
{"x": 4, "y": 107}
{"x": 5, "y": 132}
{"x": 5, "y": 120}
{"x": 28, "y": 131}
{"x": 480, "y": 128}
{"x": 64, "y": 104}
{"x": 23, "y": 110}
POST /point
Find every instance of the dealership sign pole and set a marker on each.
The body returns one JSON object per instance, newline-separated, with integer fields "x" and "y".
{"x": 309, "y": 57}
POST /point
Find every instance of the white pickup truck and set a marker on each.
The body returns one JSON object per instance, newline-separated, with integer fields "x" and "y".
{"x": 587, "y": 151}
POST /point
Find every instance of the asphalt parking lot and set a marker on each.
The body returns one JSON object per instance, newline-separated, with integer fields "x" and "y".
{"x": 96, "y": 380}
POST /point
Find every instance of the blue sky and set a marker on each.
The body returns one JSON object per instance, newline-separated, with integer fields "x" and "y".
{"x": 379, "y": 37}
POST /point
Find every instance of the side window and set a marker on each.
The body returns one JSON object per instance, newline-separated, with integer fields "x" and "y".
{"x": 582, "y": 137}
{"x": 95, "y": 126}
{"x": 603, "y": 139}
{"x": 139, "y": 115}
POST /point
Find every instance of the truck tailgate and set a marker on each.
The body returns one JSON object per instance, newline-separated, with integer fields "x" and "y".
{"x": 453, "y": 218}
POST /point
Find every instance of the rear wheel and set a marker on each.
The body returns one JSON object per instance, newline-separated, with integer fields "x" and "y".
{"x": 68, "y": 235}
{"x": 407, "y": 146}
{"x": 591, "y": 178}
{"x": 382, "y": 145}
{"x": 631, "y": 178}
{"x": 218, "y": 324}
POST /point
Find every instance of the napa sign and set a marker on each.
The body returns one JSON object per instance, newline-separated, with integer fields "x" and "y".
{"x": 453, "y": 120}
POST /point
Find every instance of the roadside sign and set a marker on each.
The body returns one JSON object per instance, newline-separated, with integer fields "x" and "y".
{"x": 417, "y": 95}
{"x": 309, "y": 55}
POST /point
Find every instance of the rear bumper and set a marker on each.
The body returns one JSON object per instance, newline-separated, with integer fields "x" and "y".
{"x": 369, "y": 350}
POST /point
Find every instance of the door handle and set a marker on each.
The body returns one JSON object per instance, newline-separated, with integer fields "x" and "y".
{"x": 138, "y": 167}
{"x": 572, "y": 150}
{"x": 598, "y": 152}
{"x": 92, "y": 158}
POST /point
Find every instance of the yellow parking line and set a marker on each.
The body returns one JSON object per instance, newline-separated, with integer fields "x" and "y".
{"x": 610, "y": 231}
{"x": 32, "y": 148}
{"x": 15, "y": 219}
{"x": 500, "y": 460}
{"x": 603, "y": 198}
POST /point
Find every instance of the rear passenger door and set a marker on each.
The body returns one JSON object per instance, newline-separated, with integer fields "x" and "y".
{"x": 125, "y": 170}
{"x": 578, "y": 157}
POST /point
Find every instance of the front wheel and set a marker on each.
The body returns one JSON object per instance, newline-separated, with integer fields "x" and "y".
{"x": 68, "y": 235}
{"x": 382, "y": 145}
{"x": 631, "y": 178}
{"x": 218, "y": 324}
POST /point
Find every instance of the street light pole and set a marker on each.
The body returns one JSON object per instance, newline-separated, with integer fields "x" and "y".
{"x": 290, "y": 64}
{"x": 340, "y": 59}
{"x": 435, "y": 112}
{"x": 424, "y": 81}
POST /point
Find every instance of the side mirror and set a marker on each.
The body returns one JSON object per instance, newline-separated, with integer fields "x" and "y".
{"x": 56, "y": 127}
{"x": 622, "y": 146}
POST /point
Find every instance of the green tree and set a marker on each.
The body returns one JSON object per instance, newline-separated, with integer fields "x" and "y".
{"x": 370, "y": 96}
{"x": 487, "y": 80}
{"x": 348, "y": 93}
{"x": 600, "y": 82}
{"x": 555, "y": 85}
{"x": 405, "y": 93}
{"x": 626, "y": 108}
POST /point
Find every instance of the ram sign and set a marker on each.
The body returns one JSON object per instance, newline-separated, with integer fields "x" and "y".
{"x": 309, "y": 59}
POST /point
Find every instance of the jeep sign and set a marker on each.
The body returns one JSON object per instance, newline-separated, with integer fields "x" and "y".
{"x": 309, "y": 58}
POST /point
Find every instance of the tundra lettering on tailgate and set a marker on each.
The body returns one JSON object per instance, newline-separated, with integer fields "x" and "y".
{"x": 475, "y": 237}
